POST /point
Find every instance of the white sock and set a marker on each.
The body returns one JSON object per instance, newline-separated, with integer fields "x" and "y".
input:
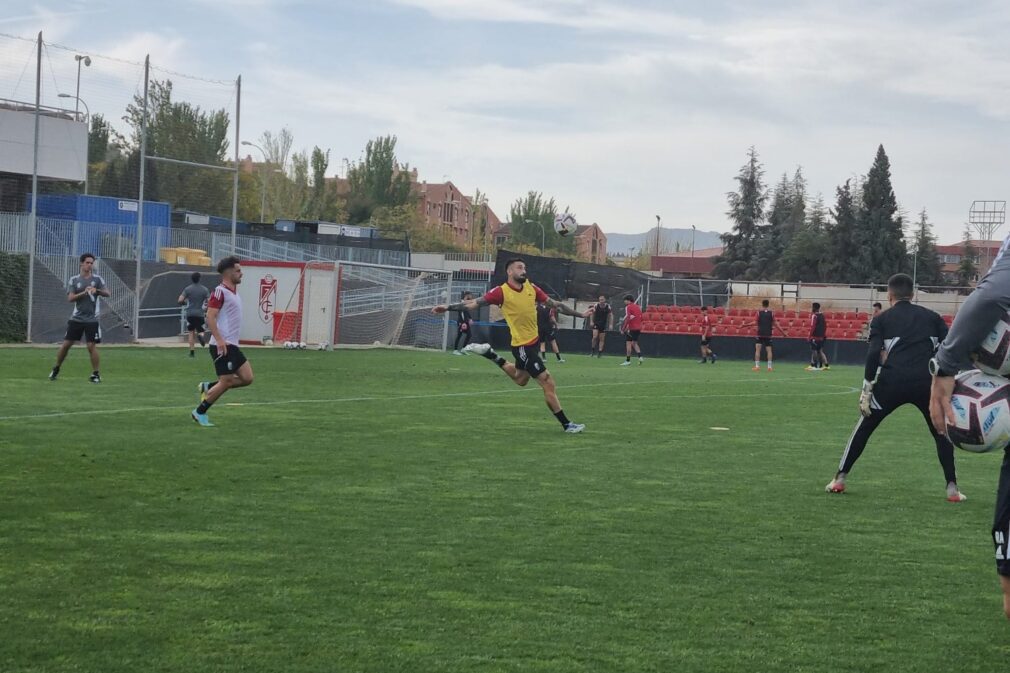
{"x": 769, "y": 364}
{"x": 757, "y": 364}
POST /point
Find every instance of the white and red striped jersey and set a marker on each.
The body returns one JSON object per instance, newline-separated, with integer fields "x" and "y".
{"x": 229, "y": 317}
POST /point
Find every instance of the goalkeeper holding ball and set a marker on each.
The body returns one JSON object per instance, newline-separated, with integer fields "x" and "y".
{"x": 909, "y": 335}
{"x": 518, "y": 299}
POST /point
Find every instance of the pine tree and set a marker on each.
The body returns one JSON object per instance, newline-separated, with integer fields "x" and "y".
{"x": 746, "y": 210}
{"x": 842, "y": 245}
{"x": 925, "y": 260}
{"x": 968, "y": 268}
{"x": 882, "y": 250}
{"x": 804, "y": 259}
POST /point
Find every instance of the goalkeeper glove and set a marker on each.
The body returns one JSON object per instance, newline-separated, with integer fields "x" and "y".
{"x": 864, "y": 399}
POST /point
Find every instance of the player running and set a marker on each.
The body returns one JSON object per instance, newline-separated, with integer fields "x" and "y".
{"x": 631, "y": 327}
{"x": 547, "y": 325}
{"x": 765, "y": 323}
{"x": 518, "y": 301}
{"x": 83, "y": 291}
{"x": 909, "y": 334}
{"x": 707, "y": 330}
{"x": 817, "y": 336}
{"x": 602, "y": 316}
{"x": 975, "y": 319}
{"x": 464, "y": 327}
{"x": 194, "y": 296}
{"x": 224, "y": 317}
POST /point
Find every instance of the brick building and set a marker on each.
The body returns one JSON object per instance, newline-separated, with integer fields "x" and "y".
{"x": 591, "y": 243}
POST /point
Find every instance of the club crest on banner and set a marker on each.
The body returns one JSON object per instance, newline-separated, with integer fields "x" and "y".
{"x": 268, "y": 297}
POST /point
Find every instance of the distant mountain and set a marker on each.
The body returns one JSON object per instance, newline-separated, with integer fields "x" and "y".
{"x": 670, "y": 239}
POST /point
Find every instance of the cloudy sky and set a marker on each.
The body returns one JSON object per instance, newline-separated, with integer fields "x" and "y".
{"x": 620, "y": 110}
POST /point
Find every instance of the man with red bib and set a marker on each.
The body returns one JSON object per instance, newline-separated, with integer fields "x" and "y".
{"x": 518, "y": 300}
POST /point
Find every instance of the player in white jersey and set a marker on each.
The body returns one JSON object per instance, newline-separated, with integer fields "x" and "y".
{"x": 224, "y": 318}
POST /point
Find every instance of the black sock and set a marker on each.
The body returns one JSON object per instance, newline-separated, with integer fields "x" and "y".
{"x": 56, "y": 369}
{"x": 560, "y": 415}
{"x": 204, "y": 406}
{"x": 499, "y": 361}
{"x": 558, "y": 355}
{"x": 627, "y": 358}
{"x": 95, "y": 373}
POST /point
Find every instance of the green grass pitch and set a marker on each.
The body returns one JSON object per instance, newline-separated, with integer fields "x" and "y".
{"x": 403, "y": 511}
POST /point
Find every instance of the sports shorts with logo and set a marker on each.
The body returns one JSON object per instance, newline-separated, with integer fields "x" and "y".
{"x": 633, "y": 335}
{"x": 528, "y": 359}
{"x": 89, "y": 331}
{"x": 1001, "y": 521}
{"x": 194, "y": 323}
{"x": 230, "y": 363}
{"x": 763, "y": 341}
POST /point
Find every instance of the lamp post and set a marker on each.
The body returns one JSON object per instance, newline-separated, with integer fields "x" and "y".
{"x": 87, "y": 63}
{"x": 87, "y": 137}
{"x": 543, "y": 233}
{"x": 263, "y": 186}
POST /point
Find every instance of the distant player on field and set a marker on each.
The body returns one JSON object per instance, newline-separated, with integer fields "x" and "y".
{"x": 632, "y": 329}
{"x": 194, "y": 296}
{"x": 224, "y": 317}
{"x": 765, "y": 323}
{"x": 602, "y": 317}
{"x": 464, "y": 326}
{"x": 909, "y": 334}
{"x": 84, "y": 292}
{"x": 707, "y": 330}
{"x": 518, "y": 299}
{"x": 547, "y": 324}
{"x": 817, "y": 336}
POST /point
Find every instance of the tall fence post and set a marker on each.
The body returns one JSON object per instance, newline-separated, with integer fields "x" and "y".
{"x": 33, "y": 219}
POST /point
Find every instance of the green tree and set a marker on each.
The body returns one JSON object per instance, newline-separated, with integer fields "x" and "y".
{"x": 968, "y": 269}
{"x": 532, "y": 223}
{"x": 804, "y": 258}
{"x": 746, "y": 210}
{"x": 879, "y": 226}
{"x": 842, "y": 246}
{"x": 378, "y": 180}
{"x": 180, "y": 130}
{"x": 99, "y": 136}
{"x": 925, "y": 260}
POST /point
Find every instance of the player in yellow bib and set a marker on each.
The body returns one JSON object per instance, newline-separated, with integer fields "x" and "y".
{"x": 518, "y": 299}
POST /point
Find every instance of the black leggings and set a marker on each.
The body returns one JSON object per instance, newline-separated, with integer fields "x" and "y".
{"x": 887, "y": 398}
{"x": 465, "y": 335}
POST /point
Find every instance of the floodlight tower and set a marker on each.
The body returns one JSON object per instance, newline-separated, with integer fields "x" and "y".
{"x": 987, "y": 217}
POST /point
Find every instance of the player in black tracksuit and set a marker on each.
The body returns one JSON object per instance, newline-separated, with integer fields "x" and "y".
{"x": 464, "y": 326}
{"x": 908, "y": 335}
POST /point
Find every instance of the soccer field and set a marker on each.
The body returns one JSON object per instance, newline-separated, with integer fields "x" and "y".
{"x": 403, "y": 511}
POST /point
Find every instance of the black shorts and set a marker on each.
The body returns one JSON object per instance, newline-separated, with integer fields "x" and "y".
{"x": 528, "y": 359}
{"x": 600, "y": 328}
{"x": 817, "y": 344}
{"x": 194, "y": 323}
{"x": 632, "y": 335}
{"x": 90, "y": 331}
{"x": 547, "y": 337}
{"x": 1001, "y": 521}
{"x": 763, "y": 341}
{"x": 230, "y": 363}
{"x": 706, "y": 341}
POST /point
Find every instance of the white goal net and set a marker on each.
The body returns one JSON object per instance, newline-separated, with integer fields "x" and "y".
{"x": 351, "y": 303}
{"x": 391, "y": 306}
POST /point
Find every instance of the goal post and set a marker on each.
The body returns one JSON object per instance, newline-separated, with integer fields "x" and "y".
{"x": 323, "y": 304}
{"x": 379, "y": 305}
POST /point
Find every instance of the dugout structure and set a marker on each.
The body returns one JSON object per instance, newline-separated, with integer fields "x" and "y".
{"x": 343, "y": 304}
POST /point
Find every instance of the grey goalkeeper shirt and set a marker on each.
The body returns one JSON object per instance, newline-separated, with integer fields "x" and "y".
{"x": 87, "y": 308}
{"x": 978, "y": 314}
{"x": 196, "y": 296}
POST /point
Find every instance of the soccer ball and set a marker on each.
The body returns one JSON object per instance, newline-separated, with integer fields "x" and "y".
{"x": 981, "y": 405}
{"x": 287, "y": 345}
{"x": 302, "y": 345}
{"x": 322, "y": 345}
{"x": 565, "y": 224}
{"x": 993, "y": 356}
